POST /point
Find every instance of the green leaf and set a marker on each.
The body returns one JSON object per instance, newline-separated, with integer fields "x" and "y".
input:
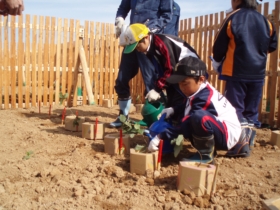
{"x": 122, "y": 118}
{"x": 177, "y": 150}
{"x": 137, "y": 126}
{"x": 140, "y": 148}
{"x": 131, "y": 135}
{"x": 179, "y": 140}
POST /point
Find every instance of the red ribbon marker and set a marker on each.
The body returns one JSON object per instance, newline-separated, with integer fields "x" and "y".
{"x": 121, "y": 142}
{"x": 159, "y": 154}
{"x": 39, "y": 107}
{"x": 50, "y": 110}
{"x": 95, "y": 129}
{"x": 63, "y": 115}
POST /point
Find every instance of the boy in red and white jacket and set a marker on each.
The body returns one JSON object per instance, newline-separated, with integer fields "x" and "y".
{"x": 209, "y": 121}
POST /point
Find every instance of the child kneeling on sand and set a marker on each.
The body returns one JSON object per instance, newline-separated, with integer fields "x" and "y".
{"x": 208, "y": 119}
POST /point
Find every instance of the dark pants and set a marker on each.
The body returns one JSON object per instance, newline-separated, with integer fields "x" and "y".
{"x": 150, "y": 71}
{"x": 202, "y": 124}
{"x": 245, "y": 97}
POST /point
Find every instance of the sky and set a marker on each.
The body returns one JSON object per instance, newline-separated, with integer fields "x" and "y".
{"x": 105, "y": 10}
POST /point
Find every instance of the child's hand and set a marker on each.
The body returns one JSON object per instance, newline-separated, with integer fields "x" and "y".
{"x": 153, "y": 146}
{"x": 168, "y": 111}
{"x": 152, "y": 95}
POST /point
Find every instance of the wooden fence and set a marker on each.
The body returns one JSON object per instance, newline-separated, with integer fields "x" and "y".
{"x": 39, "y": 59}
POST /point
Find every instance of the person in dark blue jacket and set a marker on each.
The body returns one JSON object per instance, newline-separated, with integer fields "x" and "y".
{"x": 157, "y": 15}
{"x": 240, "y": 54}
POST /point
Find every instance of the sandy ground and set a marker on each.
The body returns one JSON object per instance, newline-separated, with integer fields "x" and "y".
{"x": 43, "y": 166}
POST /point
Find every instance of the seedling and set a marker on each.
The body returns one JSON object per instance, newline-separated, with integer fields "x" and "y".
{"x": 178, "y": 144}
{"x": 76, "y": 121}
{"x": 130, "y": 127}
{"x": 28, "y": 155}
{"x": 62, "y": 97}
{"x": 138, "y": 99}
{"x": 140, "y": 148}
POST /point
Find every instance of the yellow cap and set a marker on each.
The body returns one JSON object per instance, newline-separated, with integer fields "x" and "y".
{"x": 133, "y": 34}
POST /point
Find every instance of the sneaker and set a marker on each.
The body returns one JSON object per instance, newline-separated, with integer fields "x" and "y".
{"x": 242, "y": 148}
{"x": 252, "y": 139}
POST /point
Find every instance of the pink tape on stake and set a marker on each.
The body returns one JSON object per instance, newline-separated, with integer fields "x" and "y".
{"x": 159, "y": 154}
{"x": 121, "y": 142}
{"x": 95, "y": 130}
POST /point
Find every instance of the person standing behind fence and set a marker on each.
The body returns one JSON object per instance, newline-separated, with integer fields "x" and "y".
{"x": 11, "y": 7}
{"x": 240, "y": 54}
{"x": 156, "y": 14}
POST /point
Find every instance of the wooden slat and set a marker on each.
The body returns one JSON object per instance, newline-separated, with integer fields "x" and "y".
{"x": 206, "y": 53}
{"x": 34, "y": 63}
{"x": 27, "y": 61}
{"x": 58, "y": 57}
{"x": 106, "y": 61}
{"x": 210, "y": 44}
{"x": 91, "y": 56}
{"x": 189, "y": 31}
{"x": 46, "y": 60}
{"x": 101, "y": 60}
{"x": 76, "y": 62}
{"x": 116, "y": 66}
{"x": 96, "y": 66}
{"x": 52, "y": 60}
{"x": 20, "y": 54}
{"x": 1, "y": 63}
{"x": 200, "y": 26}
{"x": 86, "y": 50}
{"x": 111, "y": 57}
{"x": 13, "y": 77}
{"x": 274, "y": 58}
{"x": 64, "y": 57}
{"x": 195, "y": 35}
{"x": 40, "y": 59}
{"x": 6, "y": 63}
{"x": 70, "y": 62}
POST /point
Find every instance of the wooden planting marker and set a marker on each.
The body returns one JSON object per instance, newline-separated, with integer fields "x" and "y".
{"x": 95, "y": 129}
{"x": 63, "y": 116}
{"x": 39, "y": 107}
{"x": 50, "y": 111}
{"x": 159, "y": 154}
{"x": 121, "y": 142}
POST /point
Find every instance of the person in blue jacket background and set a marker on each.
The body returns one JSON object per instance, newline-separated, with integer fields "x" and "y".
{"x": 157, "y": 15}
{"x": 240, "y": 53}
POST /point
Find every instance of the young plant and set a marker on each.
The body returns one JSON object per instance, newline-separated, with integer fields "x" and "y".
{"x": 138, "y": 99}
{"x": 178, "y": 144}
{"x": 130, "y": 127}
{"x": 28, "y": 155}
{"x": 76, "y": 121}
{"x": 62, "y": 97}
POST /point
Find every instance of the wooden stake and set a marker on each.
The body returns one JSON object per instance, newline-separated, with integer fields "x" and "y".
{"x": 39, "y": 107}
{"x": 50, "y": 111}
{"x": 63, "y": 115}
{"x": 120, "y": 142}
{"x": 159, "y": 154}
{"x": 77, "y": 127}
{"x": 214, "y": 181}
{"x": 95, "y": 129}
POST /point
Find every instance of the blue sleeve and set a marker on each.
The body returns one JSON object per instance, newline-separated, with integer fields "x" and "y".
{"x": 221, "y": 41}
{"x": 165, "y": 15}
{"x": 123, "y": 9}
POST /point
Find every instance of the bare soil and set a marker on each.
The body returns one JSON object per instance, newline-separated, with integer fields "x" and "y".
{"x": 43, "y": 166}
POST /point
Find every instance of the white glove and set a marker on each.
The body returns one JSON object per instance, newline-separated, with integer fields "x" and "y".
{"x": 123, "y": 41}
{"x": 168, "y": 111}
{"x": 216, "y": 65}
{"x": 152, "y": 95}
{"x": 153, "y": 145}
{"x": 118, "y": 25}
